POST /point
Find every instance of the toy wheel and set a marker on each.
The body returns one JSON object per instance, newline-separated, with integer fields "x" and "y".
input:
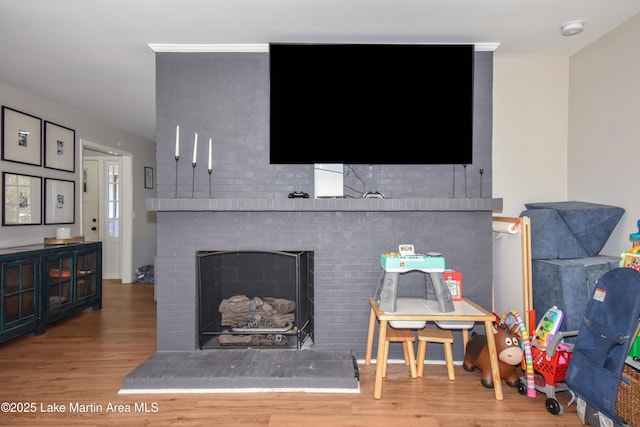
{"x": 522, "y": 388}
{"x": 553, "y": 406}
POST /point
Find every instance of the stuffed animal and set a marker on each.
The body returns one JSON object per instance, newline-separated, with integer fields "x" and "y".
{"x": 509, "y": 355}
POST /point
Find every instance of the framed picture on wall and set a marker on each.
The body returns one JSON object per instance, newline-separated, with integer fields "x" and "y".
{"x": 59, "y": 147}
{"x": 21, "y": 137}
{"x": 21, "y": 199}
{"x": 59, "y": 201}
{"x": 148, "y": 177}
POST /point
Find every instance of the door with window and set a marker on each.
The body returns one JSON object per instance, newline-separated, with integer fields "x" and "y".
{"x": 113, "y": 226}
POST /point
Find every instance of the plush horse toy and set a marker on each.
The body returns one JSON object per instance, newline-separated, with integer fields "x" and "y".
{"x": 509, "y": 355}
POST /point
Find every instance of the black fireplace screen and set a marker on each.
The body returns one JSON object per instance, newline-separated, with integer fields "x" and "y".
{"x": 255, "y": 298}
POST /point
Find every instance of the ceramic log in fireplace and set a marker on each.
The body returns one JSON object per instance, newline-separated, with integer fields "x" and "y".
{"x": 255, "y": 298}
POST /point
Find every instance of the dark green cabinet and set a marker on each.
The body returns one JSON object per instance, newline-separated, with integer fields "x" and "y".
{"x": 20, "y": 296}
{"x": 42, "y": 284}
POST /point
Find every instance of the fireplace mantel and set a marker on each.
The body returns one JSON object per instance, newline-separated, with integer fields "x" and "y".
{"x": 325, "y": 205}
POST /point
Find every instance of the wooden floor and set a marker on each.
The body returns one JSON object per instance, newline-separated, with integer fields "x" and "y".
{"x": 71, "y": 375}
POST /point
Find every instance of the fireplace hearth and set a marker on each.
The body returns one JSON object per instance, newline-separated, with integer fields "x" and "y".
{"x": 249, "y": 299}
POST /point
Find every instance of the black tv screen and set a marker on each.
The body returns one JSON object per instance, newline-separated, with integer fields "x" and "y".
{"x": 371, "y": 103}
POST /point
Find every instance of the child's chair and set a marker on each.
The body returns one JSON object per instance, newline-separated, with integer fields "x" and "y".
{"x": 443, "y": 336}
{"x": 407, "y": 338}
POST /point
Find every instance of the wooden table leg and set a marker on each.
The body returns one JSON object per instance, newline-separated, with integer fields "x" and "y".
{"x": 382, "y": 335}
{"x": 493, "y": 357}
{"x": 372, "y": 326}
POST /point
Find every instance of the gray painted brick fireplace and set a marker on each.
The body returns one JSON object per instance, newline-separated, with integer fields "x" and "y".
{"x": 224, "y": 96}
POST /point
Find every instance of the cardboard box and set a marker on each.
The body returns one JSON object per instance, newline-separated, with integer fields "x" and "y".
{"x": 453, "y": 279}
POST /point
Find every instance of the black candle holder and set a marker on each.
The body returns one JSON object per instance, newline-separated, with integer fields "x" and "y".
{"x": 193, "y": 180}
{"x": 177, "y": 158}
{"x": 210, "y": 170}
{"x": 466, "y": 193}
{"x": 453, "y": 194}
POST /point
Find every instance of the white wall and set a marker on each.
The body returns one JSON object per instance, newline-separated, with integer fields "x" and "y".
{"x": 530, "y": 101}
{"x": 604, "y": 127}
{"x": 144, "y": 227}
{"x": 569, "y": 129}
{"x": 530, "y": 97}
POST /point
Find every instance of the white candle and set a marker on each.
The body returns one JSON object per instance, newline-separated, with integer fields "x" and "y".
{"x": 195, "y": 148}
{"x": 177, "y": 141}
{"x": 210, "y": 168}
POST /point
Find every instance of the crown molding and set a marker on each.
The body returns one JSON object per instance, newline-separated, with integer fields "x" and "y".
{"x": 209, "y": 48}
{"x": 254, "y": 48}
{"x": 486, "y": 47}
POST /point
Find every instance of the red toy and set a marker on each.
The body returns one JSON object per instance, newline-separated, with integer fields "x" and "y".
{"x": 509, "y": 355}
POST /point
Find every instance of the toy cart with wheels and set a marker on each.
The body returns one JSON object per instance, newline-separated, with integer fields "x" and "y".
{"x": 550, "y": 368}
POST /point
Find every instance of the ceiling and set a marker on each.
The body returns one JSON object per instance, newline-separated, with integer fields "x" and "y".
{"x": 94, "y": 56}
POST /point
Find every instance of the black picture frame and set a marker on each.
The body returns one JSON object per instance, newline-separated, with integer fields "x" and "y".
{"x": 21, "y": 199}
{"x": 59, "y": 147}
{"x": 21, "y": 137}
{"x": 59, "y": 201}
{"x": 148, "y": 177}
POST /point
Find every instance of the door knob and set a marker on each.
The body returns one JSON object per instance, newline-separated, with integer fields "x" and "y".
{"x": 93, "y": 228}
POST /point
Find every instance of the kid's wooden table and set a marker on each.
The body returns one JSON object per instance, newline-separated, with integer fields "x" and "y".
{"x": 465, "y": 311}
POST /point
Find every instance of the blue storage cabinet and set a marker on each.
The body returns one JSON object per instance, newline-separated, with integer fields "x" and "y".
{"x": 42, "y": 284}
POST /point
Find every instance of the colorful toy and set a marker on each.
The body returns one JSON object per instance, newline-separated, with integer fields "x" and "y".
{"x": 631, "y": 258}
{"x": 635, "y": 239}
{"x": 550, "y": 357}
{"x": 550, "y": 364}
{"x": 547, "y": 327}
{"x": 507, "y": 348}
{"x": 513, "y": 319}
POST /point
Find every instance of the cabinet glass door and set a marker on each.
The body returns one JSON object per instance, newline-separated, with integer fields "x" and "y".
{"x": 60, "y": 281}
{"x": 19, "y": 297}
{"x": 86, "y": 264}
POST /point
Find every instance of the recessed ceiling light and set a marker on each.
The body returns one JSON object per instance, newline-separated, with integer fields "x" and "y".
{"x": 572, "y": 28}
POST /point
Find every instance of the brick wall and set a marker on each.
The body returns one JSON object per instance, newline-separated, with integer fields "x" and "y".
{"x": 225, "y": 96}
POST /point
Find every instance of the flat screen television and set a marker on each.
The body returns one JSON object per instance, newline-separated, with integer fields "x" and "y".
{"x": 371, "y": 103}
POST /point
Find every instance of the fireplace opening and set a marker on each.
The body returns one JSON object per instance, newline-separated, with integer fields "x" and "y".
{"x": 255, "y": 298}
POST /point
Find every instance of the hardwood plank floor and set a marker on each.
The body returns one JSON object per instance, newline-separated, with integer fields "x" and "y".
{"x": 79, "y": 363}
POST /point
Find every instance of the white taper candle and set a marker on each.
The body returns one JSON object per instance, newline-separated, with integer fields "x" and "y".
{"x": 195, "y": 148}
{"x": 210, "y": 166}
{"x": 177, "y": 141}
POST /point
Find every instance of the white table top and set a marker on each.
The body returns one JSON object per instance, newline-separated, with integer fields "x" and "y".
{"x": 421, "y": 306}
{"x": 425, "y": 306}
